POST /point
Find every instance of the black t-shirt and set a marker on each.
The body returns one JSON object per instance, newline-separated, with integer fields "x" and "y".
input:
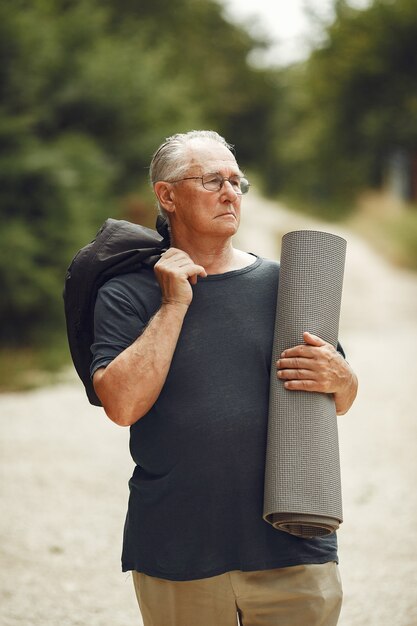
{"x": 196, "y": 494}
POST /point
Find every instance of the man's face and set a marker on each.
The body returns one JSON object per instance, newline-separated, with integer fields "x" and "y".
{"x": 197, "y": 211}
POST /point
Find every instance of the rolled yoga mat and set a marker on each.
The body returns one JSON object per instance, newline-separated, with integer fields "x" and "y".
{"x": 302, "y": 474}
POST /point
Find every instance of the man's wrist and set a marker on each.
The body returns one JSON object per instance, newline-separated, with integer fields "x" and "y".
{"x": 178, "y": 304}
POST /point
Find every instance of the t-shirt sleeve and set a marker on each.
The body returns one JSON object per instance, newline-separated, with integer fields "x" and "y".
{"x": 340, "y": 349}
{"x": 118, "y": 321}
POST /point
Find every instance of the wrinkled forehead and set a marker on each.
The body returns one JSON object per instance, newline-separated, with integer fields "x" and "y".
{"x": 210, "y": 156}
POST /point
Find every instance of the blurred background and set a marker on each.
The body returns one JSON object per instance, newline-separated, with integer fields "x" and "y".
{"x": 320, "y": 99}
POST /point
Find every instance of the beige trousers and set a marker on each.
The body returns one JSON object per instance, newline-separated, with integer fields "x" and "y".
{"x": 303, "y": 595}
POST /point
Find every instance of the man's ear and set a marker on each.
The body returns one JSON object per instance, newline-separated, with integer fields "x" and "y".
{"x": 165, "y": 194}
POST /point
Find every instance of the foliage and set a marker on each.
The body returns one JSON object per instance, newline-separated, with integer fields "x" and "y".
{"x": 89, "y": 88}
{"x": 352, "y": 103}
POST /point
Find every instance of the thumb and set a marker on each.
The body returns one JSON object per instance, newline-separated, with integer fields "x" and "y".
{"x": 313, "y": 340}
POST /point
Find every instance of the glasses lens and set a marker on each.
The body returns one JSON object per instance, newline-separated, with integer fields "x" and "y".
{"x": 212, "y": 182}
{"x": 236, "y": 183}
{"x": 244, "y": 185}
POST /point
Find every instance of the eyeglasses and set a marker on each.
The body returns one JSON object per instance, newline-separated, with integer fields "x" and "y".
{"x": 214, "y": 182}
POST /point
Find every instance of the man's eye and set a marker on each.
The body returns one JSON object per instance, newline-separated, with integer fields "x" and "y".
{"x": 213, "y": 179}
{"x": 235, "y": 182}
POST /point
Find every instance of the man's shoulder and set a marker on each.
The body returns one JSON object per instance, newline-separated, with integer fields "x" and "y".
{"x": 144, "y": 276}
{"x": 248, "y": 259}
{"x": 270, "y": 263}
{"x": 269, "y": 266}
{"x": 134, "y": 286}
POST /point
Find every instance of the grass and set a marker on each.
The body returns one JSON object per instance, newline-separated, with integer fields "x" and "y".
{"x": 389, "y": 226}
{"x": 22, "y": 369}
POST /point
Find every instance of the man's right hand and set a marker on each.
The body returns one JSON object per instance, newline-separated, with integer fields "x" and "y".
{"x": 176, "y": 272}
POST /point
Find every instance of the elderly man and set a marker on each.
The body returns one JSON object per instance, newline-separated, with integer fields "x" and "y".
{"x": 182, "y": 355}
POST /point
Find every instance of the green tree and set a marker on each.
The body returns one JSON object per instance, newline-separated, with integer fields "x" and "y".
{"x": 353, "y": 102}
{"x": 88, "y": 89}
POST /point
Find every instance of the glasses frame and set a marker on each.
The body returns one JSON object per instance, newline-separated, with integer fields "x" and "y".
{"x": 222, "y": 178}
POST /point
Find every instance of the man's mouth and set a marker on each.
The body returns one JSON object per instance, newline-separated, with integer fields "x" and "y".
{"x": 227, "y": 214}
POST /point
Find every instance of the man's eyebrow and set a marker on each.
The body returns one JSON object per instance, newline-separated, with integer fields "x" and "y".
{"x": 217, "y": 173}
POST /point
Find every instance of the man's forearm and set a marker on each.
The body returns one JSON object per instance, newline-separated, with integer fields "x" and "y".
{"x": 132, "y": 382}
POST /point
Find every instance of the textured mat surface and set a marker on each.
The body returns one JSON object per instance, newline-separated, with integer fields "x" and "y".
{"x": 302, "y": 473}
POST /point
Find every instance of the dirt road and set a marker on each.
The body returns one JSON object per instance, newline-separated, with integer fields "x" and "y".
{"x": 64, "y": 468}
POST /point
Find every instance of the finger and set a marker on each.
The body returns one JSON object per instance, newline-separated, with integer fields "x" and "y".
{"x": 174, "y": 255}
{"x": 202, "y": 272}
{"x": 303, "y": 385}
{"x": 295, "y": 363}
{"x": 313, "y": 340}
{"x": 169, "y": 254}
{"x": 301, "y": 351}
{"x": 180, "y": 264}
{"x": 194, "y": 270}
{"x": 178, "y": 258}
{"x": 199, "y": 271}
{"x": 298, "y": 374}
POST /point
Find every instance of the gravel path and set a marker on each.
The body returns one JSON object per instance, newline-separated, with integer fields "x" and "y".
{"x": 64, "y": 468}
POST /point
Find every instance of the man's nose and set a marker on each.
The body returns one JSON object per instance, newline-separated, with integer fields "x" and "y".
{"x": 228, "y": 189}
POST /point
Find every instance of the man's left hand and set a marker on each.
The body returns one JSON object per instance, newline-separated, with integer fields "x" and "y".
{"x": 317, "y": 366}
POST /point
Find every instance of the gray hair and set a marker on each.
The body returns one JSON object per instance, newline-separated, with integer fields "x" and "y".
{"x": 170, "y": 163}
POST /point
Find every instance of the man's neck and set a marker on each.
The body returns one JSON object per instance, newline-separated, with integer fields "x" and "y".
{"x": 216, "y": 257}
